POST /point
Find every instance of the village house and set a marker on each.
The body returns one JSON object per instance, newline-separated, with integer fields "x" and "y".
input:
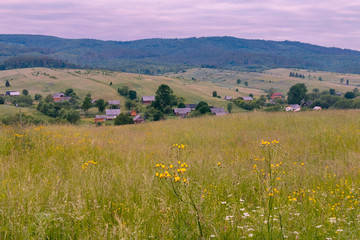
{"x": 12, "y": 93}
{"x": 293, "y": 108}
{"x": 60, "y": 97}
{"x": 218, "y": 111}
{"x": 191, "y": 106}
{"x": 114, "y": 102}
{"x": 317, "y": 108}
{"x": 100, "y": 118}
{"x": 112, "y": 113}
{"x": 138, "y": 119}
{"x": 228, "y": 98}
{"x": 247, "y": 98}
{"x": 182, "y": 112}
{"x": 276, "y": 95}
{"x": 148, "y": 99}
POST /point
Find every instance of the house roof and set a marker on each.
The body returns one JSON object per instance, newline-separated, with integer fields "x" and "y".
{"x": 217, "y": 110}
{"x": 137, "y": 117}
{"x": 57, "y": 95}
{"x": 227, "y": 97}
{"x": 100, "y": 116}
{"x": 247, "y": 98}
{"x": 113, "y": 112}
{"x": 13, "y": 93}
{"x": 276, "y": 94}
{"x": 294, "y": 106}
{"x": 148, "y": 98}
{"x": 182, "y": 110}
{"x": 114, "y": 102}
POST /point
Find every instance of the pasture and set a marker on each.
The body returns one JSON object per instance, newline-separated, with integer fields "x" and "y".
{"x": 250, "y": 175}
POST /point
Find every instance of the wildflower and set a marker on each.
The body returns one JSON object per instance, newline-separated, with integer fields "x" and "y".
{"x": 218, "y": 163}
{"x": 332, "y": 220}
{"x": 157, "y": 174}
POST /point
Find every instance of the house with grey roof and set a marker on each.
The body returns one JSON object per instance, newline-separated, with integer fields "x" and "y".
{"x": 218, "y": 111}
{"x": 182, "y": 112}
{"x": 112, "y": 113}
{"x": 148, "y": 99}
{"x": 228, "y": 98}
{"x": 114, "y": 102}
{"x": 247, "y": 98}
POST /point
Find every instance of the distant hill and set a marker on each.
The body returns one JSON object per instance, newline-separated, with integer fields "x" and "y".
{"x": 157, "y": 56}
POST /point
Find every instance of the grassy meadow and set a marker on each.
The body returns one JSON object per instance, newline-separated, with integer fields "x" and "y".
{"x": 46, "y": 81}
{"x": 278, "y": 79}
{"x": 205, "y": 178}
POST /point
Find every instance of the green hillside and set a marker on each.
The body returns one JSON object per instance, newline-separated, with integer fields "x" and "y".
{"x": 46, "y": 81}
{"x": 156, "y": 56}
{"x": 278, "y": 79}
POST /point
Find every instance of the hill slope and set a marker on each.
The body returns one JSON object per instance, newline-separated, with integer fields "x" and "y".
{"x": 155, "y": 56}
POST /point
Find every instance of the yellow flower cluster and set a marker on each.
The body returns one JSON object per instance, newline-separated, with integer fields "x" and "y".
{"x": 273, "y": 142}
{"x": 175, "y": 174}
{"x": 179, "y": 146}
{"x": 86, "y": 164}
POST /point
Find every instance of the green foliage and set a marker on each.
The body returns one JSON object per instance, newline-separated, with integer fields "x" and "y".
{"x": 297, "y": 93}
{"x": 153, "y": 114}
{"x": 229, "y": 107}
{"x": 100, "y": 104}
{"x": 203, "y": 107}
{"x": 2, "y": 100}
{"x": 164, "y": 98}
{"x": 123, "y": 119}
{"x": 86, "y": 105}
{"x": 124, "y": 91}
{"x": 214, "y": 94}
{"x": 22, "y": 101}
{"x": 25, "y": 92}
{"x": 25, "y": 120}
{"x": 238, "y": 81}
{"x": 37, "y": 97}
{"x": 349, "y": 95}
{"x": 130, "y": 104}
{"x": 181, "y": 105}
{"x": 7, "y": 84}
{"x": 332, "y": 91}
{"x": 246, "y": 83}
{"x": 72, "y": 116}
{"x": 132, "y": 94}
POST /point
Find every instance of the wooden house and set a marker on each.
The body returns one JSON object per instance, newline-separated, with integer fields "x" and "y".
{"x": 138, "y": 119}
{"x": 293, "y": 108}
{"x": 182, "y": 112}
{"x": 148, "y": 99}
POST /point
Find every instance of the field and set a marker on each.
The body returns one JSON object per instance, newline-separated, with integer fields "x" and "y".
{"x": 248, "y": 175}
{"x": 276, "y": 78}
{"x": 97, "y": 82}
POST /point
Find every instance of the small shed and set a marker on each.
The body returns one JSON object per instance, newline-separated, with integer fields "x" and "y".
{"x": 247, "y": 98}
{"x": 100, "y": 118}
{"x": 228, "y": 98}
{"x": 317, "y": 108}
{"x": 133, "y": 113}
{"x": 293, "y": 108}
{"x": 138, "y": 119}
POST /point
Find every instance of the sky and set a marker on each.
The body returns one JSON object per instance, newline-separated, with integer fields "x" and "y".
{"x": 330, "y": 23}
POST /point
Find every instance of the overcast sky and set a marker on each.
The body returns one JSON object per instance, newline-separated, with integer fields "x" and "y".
{"x": 332, "y": 23}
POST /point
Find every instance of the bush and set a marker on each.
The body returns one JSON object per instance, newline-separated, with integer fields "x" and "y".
{"x": 123, "y": 119}
{"x": 72, "y": 117}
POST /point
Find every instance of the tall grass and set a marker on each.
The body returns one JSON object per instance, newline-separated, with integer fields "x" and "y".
{"x": 68, "y": 182}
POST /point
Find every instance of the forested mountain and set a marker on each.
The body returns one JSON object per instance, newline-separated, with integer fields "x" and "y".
{"x": 156, "y": 56}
